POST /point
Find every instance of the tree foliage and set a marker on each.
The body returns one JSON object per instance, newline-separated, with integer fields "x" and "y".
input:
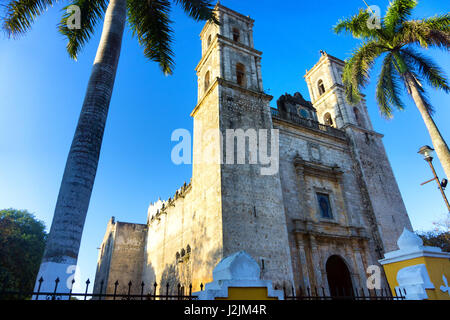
{"x": 149, "y": 21}
{"x": 396, "y": 38}
{"x": 439, "y": 236}
{"x": 22, "y": 243}
{"x": 436, "y": 239}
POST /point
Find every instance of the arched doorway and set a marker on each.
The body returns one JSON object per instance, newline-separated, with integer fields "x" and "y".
{"x": 338, "y": 275}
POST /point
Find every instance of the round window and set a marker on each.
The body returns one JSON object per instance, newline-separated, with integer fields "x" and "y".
{"x": 304, "y": 113}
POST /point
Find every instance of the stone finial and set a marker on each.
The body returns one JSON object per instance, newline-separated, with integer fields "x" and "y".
{"x": 238, "y": 266}
{"x": 409, "y": 240}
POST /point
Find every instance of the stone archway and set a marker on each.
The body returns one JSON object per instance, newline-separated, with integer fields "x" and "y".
{"x": 338, "y": 276}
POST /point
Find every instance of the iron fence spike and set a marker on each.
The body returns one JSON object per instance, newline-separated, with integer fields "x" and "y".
{"x": 87, "y": 286}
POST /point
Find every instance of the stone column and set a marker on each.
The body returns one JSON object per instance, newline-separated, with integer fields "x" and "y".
{"x": 316, "y": 258}
{"x": 358, "y": 259}
{"x": 304, "y": 265}
{"x": 258, "y": 73}
{"x": 301, "y": 182}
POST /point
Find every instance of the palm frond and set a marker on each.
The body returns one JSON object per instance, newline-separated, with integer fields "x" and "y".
{"x": 91, "y": 11}
{"x": 431, "y": 32}
{"x": 149, "y": 20}
{"x": 397, "y": 13}
{"x": 199, "y": 10}
{"x": 352, "y": 93}
{"x": 356, "y": 25}
{"x": 438, "y": 22}
{"x": 20, "y": 15}
{"x": 426, "y": 68}
{"x": 388, "y": 88}
{"x": 357, "y": 69}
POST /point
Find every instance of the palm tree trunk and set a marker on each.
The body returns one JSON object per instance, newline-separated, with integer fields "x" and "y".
{"x": 63, "y": 242}
{"x": 438, "y": 141}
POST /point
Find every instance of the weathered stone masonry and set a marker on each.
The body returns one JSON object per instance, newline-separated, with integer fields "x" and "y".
{"x": 334, "y": 194}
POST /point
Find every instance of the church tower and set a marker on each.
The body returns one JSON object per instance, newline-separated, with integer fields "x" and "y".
{"x": 384, "y": 202}
{"x": 244, "y": 209}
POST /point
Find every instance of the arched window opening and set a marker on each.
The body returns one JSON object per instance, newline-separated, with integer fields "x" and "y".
{"x": 209, "y": 40}
{"x": 358, "y": 117}
{"x": 207, "y": 80}
{"x": 327, "y": 119}
{"x": 240, "y": 74}
{"x": 321, "y": 87}
{"x": 236, "y": 35}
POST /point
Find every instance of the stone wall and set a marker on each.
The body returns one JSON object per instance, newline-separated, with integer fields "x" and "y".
{"x": 275, "y": 218}
{"x": 311, "y": 163}
{"x": 121, "y": 258}
{"x": 376, "y": 182}
{"x": 252, "y": 204}
{"x": 379, "y": 181}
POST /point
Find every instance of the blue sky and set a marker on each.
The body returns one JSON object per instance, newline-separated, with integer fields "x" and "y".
{"x": 42, "y": 89}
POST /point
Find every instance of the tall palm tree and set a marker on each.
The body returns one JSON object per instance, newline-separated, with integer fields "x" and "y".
{"x": 398, "y": 40}
{"x": 150, "y": 22}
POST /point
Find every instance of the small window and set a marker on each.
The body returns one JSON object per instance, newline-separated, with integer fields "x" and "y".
{"x": 207, "y": 80}
{"x": 327, "y": 119}
{"x": 321, "y": 87}
{"x": 324, "y": 205}
{"x": 236, "y": 35}
{"x": 188, "y": 249}
{"x": 209, "y": 40}
{"x": 358, "y": 117}
{"x": 240, "y": 74}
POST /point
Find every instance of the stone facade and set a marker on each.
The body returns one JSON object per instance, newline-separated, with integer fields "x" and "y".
{"x": 333, "y": 193}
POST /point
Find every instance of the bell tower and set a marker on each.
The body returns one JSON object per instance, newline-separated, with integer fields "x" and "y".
{"x": 327, "y": 94}
{"x": 383, "y": 201}
{"x": 244, "y": 207}
{"x": 228, "y": 53}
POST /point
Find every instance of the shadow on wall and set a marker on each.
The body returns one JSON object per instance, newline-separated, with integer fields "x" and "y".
{"x": 192, "y": 265}
{"x": 207, "y": 255}
{"x": 171, "y": 277}
{"x": 148, "y": 277}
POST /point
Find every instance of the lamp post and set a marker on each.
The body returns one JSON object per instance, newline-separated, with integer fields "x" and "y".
{"x": 427, "y": 153}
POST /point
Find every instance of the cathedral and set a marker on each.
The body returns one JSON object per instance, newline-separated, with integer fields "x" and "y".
{"x": 329, "y": 211}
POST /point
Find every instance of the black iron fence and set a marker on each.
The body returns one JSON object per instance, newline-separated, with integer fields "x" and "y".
{"x": 343, "y": 294}
{"x": 167, "y": 292}
{"x": 142, "y": 292}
